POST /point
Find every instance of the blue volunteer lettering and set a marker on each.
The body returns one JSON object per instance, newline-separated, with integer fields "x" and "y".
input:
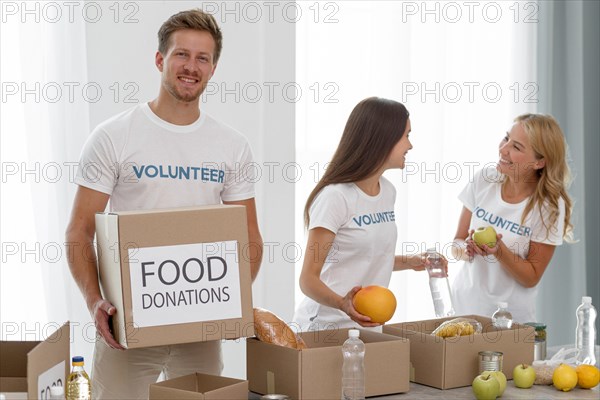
{"x": 374, "y": 218}
{"x": 502, "y": 223}
{"x": 179, "y": 172}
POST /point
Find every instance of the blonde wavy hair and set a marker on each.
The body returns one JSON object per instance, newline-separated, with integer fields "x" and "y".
{"x": 548, "y": 142}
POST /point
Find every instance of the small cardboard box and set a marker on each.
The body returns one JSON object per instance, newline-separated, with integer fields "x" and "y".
{"x": 33, "y": 367}
{"x": 200, "y": 387}
{"x": 454, "y": 362}
{"x": 176, "y": 275}
{"x": 316, "y": 372}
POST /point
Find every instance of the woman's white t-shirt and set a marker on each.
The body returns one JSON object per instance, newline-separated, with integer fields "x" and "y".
{"x": 483, "y": 282}
{"x": 362, "y": 252}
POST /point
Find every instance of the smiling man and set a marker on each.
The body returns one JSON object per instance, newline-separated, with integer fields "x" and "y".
{"x": 161, "y": 154}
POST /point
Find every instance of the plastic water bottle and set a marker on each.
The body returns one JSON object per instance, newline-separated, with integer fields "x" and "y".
{"x": 439, "y": 285}
{"x": 79, "y": 386}
{"x": 502, "y": 318}
{"x": 353, "y": 372}
{"x": 585, "y": 338}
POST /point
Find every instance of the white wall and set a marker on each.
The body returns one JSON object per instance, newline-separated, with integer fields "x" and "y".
{"x": 258, "y": 53}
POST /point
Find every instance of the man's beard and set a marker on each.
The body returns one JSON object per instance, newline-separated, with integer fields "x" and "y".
{"x": 186, "y": 98}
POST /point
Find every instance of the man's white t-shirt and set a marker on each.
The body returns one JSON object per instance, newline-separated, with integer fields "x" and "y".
{"x": 483, "y": 282}
{"x": 362, "y": 252}
{"x": 144, "y": 162}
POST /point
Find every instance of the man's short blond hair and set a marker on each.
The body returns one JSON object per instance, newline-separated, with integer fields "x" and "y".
{"x": 190, "y": 19}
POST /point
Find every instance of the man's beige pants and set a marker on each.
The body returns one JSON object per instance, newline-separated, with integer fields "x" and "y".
{"x": 118, "y": 374}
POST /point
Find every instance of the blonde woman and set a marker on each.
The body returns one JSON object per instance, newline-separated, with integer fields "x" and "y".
{"x": 524, "y": 198}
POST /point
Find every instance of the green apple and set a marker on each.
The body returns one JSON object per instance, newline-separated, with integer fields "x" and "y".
{"x": 524, "y": 376}
{"x": 499, "y": 375}
{"x": 485, "y": 387}
{"x": 485, "y": 235}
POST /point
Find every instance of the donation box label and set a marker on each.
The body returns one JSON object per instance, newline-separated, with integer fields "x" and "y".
{"x": 185, "y": 283}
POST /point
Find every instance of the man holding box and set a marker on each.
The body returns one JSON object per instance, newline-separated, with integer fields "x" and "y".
{"x": 161, "y": 154}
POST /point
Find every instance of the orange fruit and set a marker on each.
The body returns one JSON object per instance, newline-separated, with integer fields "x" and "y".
{"x": 587, "y": 376}
{"x": 376, "y": 302}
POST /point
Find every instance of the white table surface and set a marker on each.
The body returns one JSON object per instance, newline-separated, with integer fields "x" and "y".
{"x": 421, "y": 392}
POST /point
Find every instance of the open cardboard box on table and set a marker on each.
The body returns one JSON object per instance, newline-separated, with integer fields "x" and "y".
{"x": 176, "y": 275}
{"x": 28, "y": 369}
{"x": 316, "y": 372}
{"x": 454, "y": 362}
{"x": 200, "y": 387}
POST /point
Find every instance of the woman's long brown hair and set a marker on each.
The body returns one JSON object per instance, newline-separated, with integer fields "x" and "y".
{"x": 373, "y": 129}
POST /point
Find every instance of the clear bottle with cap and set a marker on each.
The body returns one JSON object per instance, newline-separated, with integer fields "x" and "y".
{"x": 353, "y": 370}
{"x": 79, "y": 386}
{"x": 502, "y": 318}
{"x": 585, "y": 337}
{"x": 439, "y": 285}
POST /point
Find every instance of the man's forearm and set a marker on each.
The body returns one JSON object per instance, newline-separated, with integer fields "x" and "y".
{"x": 81, "y": 256}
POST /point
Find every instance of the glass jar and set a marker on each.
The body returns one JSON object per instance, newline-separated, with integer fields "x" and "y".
{"x": 540, "y": 340}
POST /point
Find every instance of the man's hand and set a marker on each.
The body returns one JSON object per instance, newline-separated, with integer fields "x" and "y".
{"x": 101, "y": 312}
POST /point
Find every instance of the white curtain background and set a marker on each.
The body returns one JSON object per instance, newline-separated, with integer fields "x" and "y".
{"x": 569, "y": 61}
{"x": 463, "y": 75}
{"x": 44, "y": 123}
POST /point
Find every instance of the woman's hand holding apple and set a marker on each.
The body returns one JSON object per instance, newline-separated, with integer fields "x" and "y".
{"x": 483, "y": 249}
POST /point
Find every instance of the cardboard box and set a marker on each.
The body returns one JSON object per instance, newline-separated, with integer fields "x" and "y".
{"x": 200, "y": 386}
{"x": 316, "y": 372}
{"x": 454, "y": 362}
{"x": 33, "y": 367}
{"x": 176, "y": 275}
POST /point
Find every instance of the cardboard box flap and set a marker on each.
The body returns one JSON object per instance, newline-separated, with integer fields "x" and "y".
{"x": 48, "y": 363}
{"x": 169, "y": 223}
{"x": 200, "y": 386}
{"x": 13, "y": 358}
{"x": 111, "y": 282}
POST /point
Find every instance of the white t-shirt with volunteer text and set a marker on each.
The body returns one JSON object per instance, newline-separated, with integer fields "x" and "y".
{"x": 362, "y": 252}
{"x": 483, "y": 282}
{"x": 144, "y": 162}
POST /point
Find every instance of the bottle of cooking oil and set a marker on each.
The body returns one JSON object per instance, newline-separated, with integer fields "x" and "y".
{"x": 79, "y": 386}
